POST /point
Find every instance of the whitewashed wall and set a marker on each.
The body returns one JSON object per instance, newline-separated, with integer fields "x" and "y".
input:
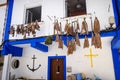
{"x": 102, "y": 64}
{"x": 57, "y": 8}
{"x": 2, "y": 17}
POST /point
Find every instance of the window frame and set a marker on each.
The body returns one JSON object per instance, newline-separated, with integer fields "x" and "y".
{"x": 31, "y": 5}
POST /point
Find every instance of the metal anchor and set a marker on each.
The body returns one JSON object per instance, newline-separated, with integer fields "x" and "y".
{"x": 33, "y": 69}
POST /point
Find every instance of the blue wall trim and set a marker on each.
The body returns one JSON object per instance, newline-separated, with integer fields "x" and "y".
{"x": 49, "y": 64}
{"x": 116, "y": 13}
{"x": 39, "y": 46}
{"x": 8, "y": 23}
{"x": 9, "y": 17}
{"x": 15, "y": 51}
{"x": 116, "y": 63}
{"x": 64, "y": 37}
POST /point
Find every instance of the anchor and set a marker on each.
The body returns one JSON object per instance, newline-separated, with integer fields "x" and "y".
{"x": 33, "y": 69}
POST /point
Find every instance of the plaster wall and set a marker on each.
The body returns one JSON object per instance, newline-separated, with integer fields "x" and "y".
{"x": 102, "y": 64}
{"x": 2, "y": 18}
{"x": 101, "y": 9}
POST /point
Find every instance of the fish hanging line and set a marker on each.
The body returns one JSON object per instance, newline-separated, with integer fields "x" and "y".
{"x": 27, "y": 24}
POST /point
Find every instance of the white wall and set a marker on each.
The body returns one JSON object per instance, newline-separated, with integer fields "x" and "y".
{"x": 102, "y": 65}
{"x": 2, "y": 17}
{"x": 57, "y": 8}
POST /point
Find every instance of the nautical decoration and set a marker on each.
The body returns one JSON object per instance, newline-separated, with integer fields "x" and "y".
{"x": 91, "y": 57}
{"x": 15, "y": 64}
{"x": 33, "y": 68}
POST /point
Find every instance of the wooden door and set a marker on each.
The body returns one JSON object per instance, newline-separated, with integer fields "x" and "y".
{"x": 57, "y": 69}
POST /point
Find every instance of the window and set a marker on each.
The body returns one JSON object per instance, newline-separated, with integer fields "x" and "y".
{"x": 33, "y": 14}
{"x": 75, "y": 7}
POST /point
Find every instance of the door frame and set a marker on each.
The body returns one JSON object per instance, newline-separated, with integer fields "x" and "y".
{"x": 49, "y": 64}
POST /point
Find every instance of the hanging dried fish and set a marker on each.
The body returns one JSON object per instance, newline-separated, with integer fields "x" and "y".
{"x": 93, "y": 39}
{"x": 60, "y": 43}
{"x": 86, "y": 42}
{"x": 78, "y": 27}
{"x": 56, "y": 26}
{"x": 29, "y": 27}
{"x": 37, "y": 27}
{"x": 22, "y": 29}
{"x": 96, "y": 25}
{"x": 66, "y": 26}
{"x": 72, "y": 31}
{"x": 77, "y": 39}
{"x": 70, "y": 48}
{"x": 73, "y": 45}
{"x": 98, "y": 43}
{"x": 60, "y": 28}
{"x": 84, "y": 29}
{"x": 24, "y": 37}
{"x": 69, "y": 30}
{"x": 57, "y": 37}
{"x": 12, "y": 31}
{"x": 18, "y": 29}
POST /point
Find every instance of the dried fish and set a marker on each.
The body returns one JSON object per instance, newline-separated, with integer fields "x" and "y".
{"x": 12, "y": 31}
{"x": 84, "y": 29}
{"x": 77, "y": 39}
{"x": 86, "y": 42}
{"x": 96, "y": 25}
{"x": 60, "y": 43}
